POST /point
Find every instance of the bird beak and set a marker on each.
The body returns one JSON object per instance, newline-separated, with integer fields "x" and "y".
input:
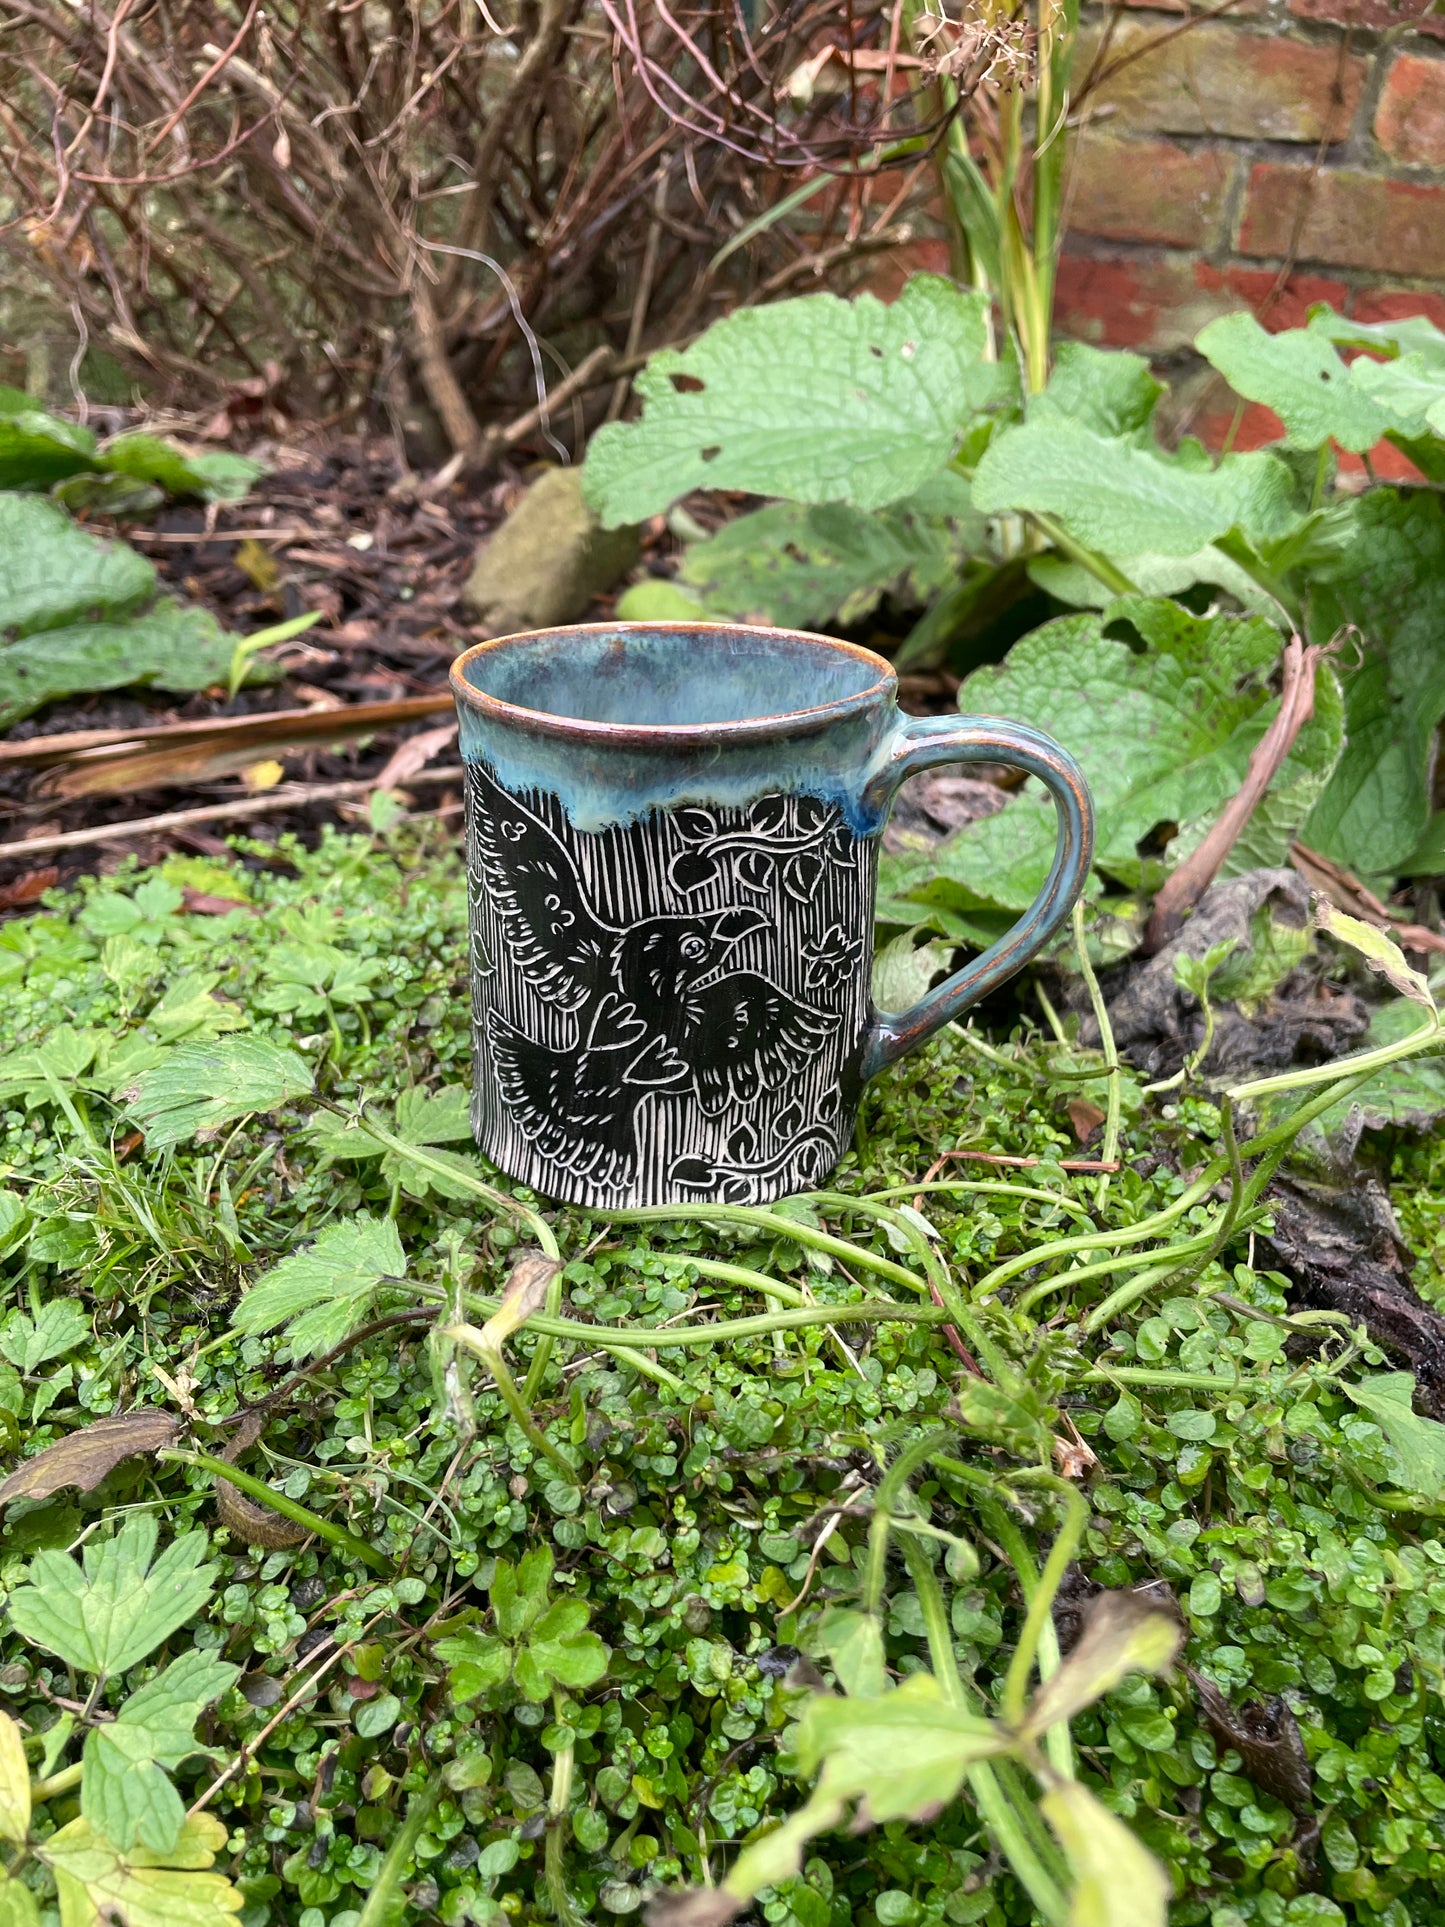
{"x": 733, "y": 925}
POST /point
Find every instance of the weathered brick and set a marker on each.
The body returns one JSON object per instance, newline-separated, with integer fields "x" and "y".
{"x": 1375, "y": 14}
{"x": 1148, "y": 191}
{"x": 889, "y": 271}
{"x": 1155, "y": 307}
{"x": 1258, "y": 425}
{"x": 1410, "y": 119}
{"x": 1158, "y": 306}
{"x": 1396, "y": 304}
{"x": 1217, "y": 79}
{"x": 1259, "y": 289}
{"x": 1345, "y": 219}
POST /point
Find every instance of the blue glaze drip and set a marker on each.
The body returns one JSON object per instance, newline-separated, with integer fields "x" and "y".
{"x": 632, "y": 678}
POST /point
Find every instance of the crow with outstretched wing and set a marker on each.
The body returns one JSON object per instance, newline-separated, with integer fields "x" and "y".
{"x": 658, "y": 1008}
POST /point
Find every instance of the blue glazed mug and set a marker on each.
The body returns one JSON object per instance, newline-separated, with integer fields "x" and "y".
{"x": 672, "y": 841}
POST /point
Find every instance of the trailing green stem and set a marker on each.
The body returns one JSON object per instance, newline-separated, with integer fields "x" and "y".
{"x": 381, "y": 1902}
{"x": 288, "y": 1508}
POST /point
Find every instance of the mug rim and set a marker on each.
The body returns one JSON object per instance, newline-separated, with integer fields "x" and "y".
{"x": 783, "y": 723}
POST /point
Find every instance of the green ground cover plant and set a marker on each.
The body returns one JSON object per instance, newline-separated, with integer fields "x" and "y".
{"x": 80, "y": 613}
{"x": 553, "y": 1526}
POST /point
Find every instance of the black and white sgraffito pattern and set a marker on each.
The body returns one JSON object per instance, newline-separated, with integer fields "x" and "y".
{"x": 669, "y": 1011}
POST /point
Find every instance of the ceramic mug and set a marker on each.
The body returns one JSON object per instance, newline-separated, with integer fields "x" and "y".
{"x": 672, "y": 841}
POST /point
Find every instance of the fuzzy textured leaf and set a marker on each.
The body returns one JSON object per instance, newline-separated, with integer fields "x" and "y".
{"x": 1124, "y": 498}
{"x": 815, "y": 399}
{"x": 216, "y": 475}
{"x": 106, "y": 1616}
{"x": 1164, "y": 736}
{"x": 172, "y": 646}
{"x": 320, "y": 1294}
{"x": 200, "y": 1086}
{"x": 1298, "y": 374}
{"x": 37, "y": 448}
{"x": 101, "y": 1886}
{"x": 1389, "y": 581}
{"x": 124, "y": 1792}
{"x": 53, "y": 573}
{"x": 796, "y": 563}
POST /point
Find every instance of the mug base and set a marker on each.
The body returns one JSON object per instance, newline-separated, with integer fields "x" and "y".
{"x": 697, "y": 1182}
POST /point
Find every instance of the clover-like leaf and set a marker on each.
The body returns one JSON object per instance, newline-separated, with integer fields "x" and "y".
{"x": 124, "y": 1792}
{"x": 102, "y": 1886}
{"x": 105, "y": 1616}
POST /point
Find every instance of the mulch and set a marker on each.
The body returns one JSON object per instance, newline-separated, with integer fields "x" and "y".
{"x": 339, "y": 526}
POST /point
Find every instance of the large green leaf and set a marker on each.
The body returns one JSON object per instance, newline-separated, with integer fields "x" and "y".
{"x": 200, "y": 1085}
{"x": 124, "y": 1792}
{"x": 101, "y": 1886}
{"x": 171, "y": 646}
{"x": 53, "y": 573}
{"x": 1086, "y": 453}
{"x": 106, "y": 1616}
{"x": 795, "y": 564}
{"x": 816, "y": 400}
{"x": 1167, "y": 575}
{"x": 1410, "y": 1092}
{"x": 36, "y": 448}
{"x": 1122, "y": 497}
{"x": 320, "y": 1294}
{"x": 214, "y": 474}
{"x": 1299, "y": 375}
{"x": 1164, "y": 735}
{"x": 1389, "y": 581}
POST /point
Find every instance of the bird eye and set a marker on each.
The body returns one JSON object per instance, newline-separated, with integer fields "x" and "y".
{"x": 693, "y": 948}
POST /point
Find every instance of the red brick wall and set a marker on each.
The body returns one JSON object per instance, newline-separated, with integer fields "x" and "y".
{"x": 1287, "y": 152}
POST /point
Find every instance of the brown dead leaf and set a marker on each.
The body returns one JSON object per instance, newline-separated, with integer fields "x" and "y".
{"x": 414, "y": 754}
{"x": 28, "y": 887}
{"x": 1085, "y": 1116}
{"x": 525, "y": 1293}
{"x": 201, "y": 903}
{"x": 1074, "y": 1456}
{"x": 86, "y": 1456}
{"x": 1266, "y": 1736}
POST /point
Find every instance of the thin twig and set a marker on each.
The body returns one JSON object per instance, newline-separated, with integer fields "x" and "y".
{"x": 289, "y": 796}
{"x": 1193, "y": 877}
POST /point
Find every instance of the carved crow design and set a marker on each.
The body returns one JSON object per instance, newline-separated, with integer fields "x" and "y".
{"x": 656, "y": 1006}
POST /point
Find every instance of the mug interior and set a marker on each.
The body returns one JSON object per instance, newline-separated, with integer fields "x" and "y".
{"x": 670, "y": 675}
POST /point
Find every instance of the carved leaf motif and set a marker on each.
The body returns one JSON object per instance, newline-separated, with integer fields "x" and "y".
{"x": 753, "y": 870}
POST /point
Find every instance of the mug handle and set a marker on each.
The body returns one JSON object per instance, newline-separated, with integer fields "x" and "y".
{"x": 923, "y": 742}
